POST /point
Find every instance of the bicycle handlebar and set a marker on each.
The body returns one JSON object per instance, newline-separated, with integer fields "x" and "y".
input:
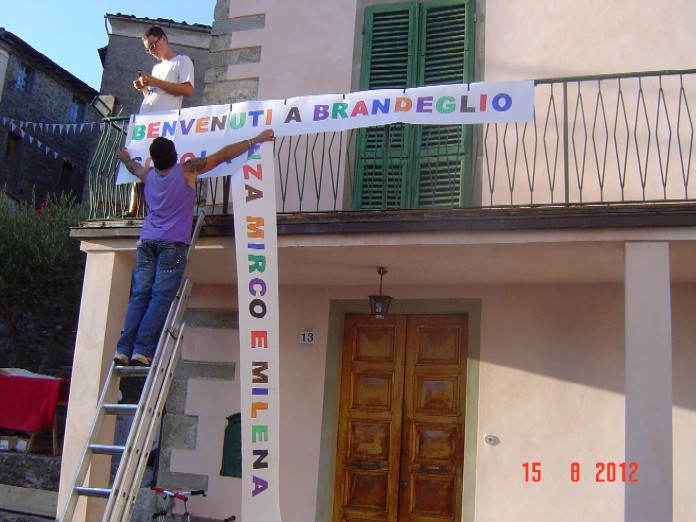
{"x": 179, "y": 495}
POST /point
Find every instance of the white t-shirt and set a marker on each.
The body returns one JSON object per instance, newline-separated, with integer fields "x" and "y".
{"x": 178, "y": 69}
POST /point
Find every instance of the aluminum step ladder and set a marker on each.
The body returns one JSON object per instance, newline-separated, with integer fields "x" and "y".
{"x": 122, "y": 493}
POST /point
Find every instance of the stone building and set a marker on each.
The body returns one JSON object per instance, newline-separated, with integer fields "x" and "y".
{"x": 44, "y": 112}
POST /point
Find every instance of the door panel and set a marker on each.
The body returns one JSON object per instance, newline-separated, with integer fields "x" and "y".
{"x": 370, "y": 426}
{"x": 433, "y": 418}
{"x": 401, "y": 421}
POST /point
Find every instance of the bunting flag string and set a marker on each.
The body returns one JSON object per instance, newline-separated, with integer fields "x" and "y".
{"x": 21, "y": 128}
{"x": 55, "y": 128}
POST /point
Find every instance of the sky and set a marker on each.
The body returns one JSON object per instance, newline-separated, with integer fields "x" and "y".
{"x": 69, "y": 32}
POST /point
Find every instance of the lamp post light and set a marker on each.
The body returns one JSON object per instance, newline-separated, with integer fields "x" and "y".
{"x": 379, "y": 303}
{"x": 106, "y": 104}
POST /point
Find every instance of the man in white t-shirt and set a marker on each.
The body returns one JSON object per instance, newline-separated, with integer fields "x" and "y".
{"x": 163, "y": 89}
{"x": 171, "y": 79}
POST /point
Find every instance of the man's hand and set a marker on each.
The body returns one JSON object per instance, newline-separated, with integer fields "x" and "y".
{"x": 123, "y": 154}
{"x": 177, "y": 89}
{"x": 140, "y": 86}
{"x": 132, "y": 165}
{"x": 145, "y": 78}
{"x": 266, "y": 135}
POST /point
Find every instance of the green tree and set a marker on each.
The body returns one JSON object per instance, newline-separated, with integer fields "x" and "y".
{"x": 41, "y": 276}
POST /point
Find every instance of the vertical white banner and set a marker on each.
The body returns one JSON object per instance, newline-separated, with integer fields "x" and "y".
{"x": 253, "y": 196}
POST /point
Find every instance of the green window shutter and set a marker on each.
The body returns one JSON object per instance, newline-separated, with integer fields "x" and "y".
{"x": 383, "y": 164}
{"x": 389, "y": 50}
{"x": 389, "y": 61}
{"x": 441, "y": 161}
{"x": 443, "y": 37}
{"x": 405, "y": 166}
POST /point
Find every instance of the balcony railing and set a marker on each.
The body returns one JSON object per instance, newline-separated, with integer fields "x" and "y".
{"x": 604, "y": 139}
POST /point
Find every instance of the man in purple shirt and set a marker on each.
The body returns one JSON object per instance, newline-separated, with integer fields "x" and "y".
{"x": 164, "y": 240}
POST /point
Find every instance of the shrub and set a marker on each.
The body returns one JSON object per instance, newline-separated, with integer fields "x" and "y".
{"x": 40, "y": 281}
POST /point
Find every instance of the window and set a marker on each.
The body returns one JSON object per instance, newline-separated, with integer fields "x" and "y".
{"x": 76, "y": 111}
{"x": 13, "y": 151}
{"x": 66, "y": 177}
{"x": 415, "y": 166}
{"x": 25, "y": 79}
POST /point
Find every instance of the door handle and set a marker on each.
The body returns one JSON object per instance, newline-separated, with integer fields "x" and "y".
{"x": 434, "y": 469}
{"x": 360, "y": 464}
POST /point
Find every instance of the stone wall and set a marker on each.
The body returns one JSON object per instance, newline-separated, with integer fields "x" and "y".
{"x": 220, "y": 84}
{"x": 28, "y": 483}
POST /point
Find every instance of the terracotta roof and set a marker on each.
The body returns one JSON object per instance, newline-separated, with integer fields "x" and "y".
{"x": 45, "y": 64}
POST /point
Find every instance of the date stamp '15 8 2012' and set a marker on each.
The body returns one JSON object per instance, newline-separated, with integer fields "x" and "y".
{"x": 603, "y": 472}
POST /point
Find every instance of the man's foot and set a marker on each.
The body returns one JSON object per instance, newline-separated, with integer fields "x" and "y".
{"x": 140, "y": 360}
{"x": 121, "y": 359}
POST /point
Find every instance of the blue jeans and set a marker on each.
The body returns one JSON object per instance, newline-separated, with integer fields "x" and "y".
{"x": 156, "y": 278}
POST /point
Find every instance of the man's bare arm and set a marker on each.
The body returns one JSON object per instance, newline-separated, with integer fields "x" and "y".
{"x": 197, "y": 166}
{"x": 133, "y": 166}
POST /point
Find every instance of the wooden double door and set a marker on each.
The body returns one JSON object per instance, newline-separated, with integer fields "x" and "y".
{"x": 401, "y": 420}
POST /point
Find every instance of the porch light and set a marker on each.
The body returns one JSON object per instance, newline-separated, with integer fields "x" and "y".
{"x": 379, "y": 304}
{"x": 106, "y": 105}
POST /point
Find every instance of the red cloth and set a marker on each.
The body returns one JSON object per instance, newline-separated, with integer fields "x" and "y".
{"x": 28, "y": 403}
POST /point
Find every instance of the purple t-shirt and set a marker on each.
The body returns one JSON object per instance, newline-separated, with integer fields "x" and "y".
{"x": 170, "y": 202}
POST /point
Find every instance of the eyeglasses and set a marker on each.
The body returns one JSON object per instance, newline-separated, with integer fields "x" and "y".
{"x": 151, "y": 47}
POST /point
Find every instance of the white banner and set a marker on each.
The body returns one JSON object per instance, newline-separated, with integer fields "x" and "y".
{"x": 253, "y": 193}
{"x": 198, "y": 131}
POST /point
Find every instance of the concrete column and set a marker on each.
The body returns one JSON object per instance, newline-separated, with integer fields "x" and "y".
{"x": 102, "y": 310}
{"x": 648, "y": 382}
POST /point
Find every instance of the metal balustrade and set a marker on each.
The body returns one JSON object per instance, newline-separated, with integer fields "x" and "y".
{"x": 595, "y": 140}
{"x": 106, "y": 199}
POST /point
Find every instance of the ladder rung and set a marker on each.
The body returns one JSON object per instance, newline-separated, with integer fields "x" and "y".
{"x": 120, "y": 409}
{"x": 107, "y": 449}
{"x": 132, "y": 371}
{"x": 93, "y": 492}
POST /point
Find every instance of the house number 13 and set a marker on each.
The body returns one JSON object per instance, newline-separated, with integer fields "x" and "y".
{"x": 307, "y": 336}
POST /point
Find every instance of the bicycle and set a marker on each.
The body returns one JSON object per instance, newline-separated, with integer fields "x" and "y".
{"x": 170, "y": 500}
